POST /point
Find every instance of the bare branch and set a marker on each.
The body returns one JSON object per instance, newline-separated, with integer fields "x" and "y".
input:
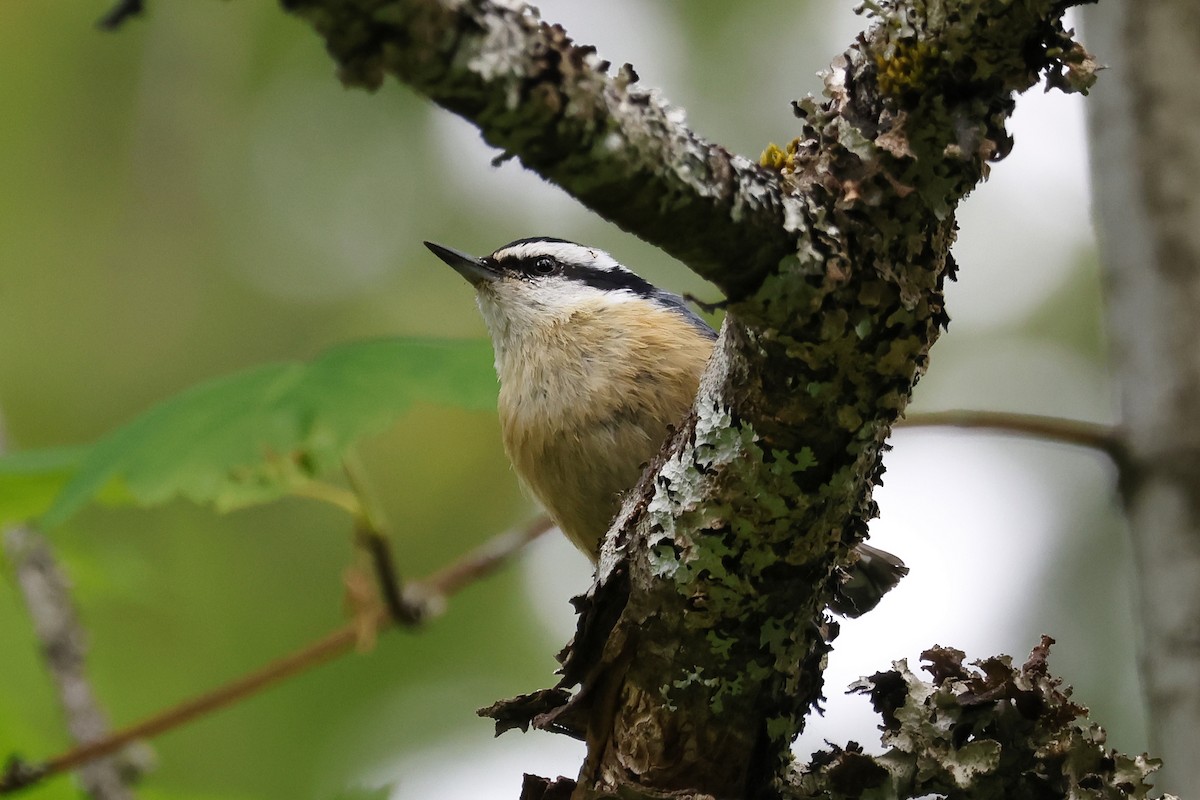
{"x": 1097, "y": 436}
{"x": 473, "y": 566}
{"x": 47, "y": 594}
{"x": 63, "y": 644}
{"x": 482, "y": 561}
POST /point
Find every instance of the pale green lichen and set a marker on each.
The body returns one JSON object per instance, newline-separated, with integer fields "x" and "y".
{"x": 989, "y": 731}
{"x": 742, "y": 522}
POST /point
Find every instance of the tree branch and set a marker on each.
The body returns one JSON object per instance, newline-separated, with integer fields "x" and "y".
{"x": 62, "y": 640}
{"x": 473, "y": 566}
{"x": 47, "y": 594}
{"x": 1096, "y": 436}
{"x": 998, "y": 731}
{"x": 483, "y": 560}
{"x": 704, "y": 633}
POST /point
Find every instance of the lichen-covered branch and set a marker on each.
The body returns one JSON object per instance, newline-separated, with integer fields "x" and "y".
{"x": 988, "y": 730}
{"x": 46, "y": 591}
{"x": 700, "y": 648}
{"x": 61, "y": 637}
{"x": 571, "y": 117}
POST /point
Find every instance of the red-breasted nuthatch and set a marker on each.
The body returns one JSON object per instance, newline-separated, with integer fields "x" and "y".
{"x": 595, "y": 365}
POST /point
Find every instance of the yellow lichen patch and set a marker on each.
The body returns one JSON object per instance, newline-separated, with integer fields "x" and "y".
{"x": 905, "y": 66}
{"x": 778, "y": 159}
{"x": 773, "y": 158}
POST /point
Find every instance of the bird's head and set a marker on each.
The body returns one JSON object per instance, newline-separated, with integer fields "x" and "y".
{"x": 533, "y": 283}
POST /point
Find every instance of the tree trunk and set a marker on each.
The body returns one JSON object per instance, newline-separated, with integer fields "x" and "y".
{"x": 1145, "y": 133}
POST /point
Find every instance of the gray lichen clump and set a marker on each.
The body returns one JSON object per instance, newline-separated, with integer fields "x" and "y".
{"x": 987, "y": 731}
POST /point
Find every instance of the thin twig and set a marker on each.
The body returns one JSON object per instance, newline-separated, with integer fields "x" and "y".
{"x": 483, "y": 560}
{"x": 369, "y": 532}
{"x": 47, "y": 594}
{"x": 403, "y": 610}
{"x": 1105, "y": 438}
{"x": 116, "y": 16}
{"x": 471, "y": 567}
{"x": 64, "y": 648}
{"x": 369, "y": 535}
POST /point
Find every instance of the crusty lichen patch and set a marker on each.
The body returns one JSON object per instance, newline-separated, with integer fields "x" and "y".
{"x": 905, "y": 66}
{"x": 707, "y": 635}
{"x": 988, "y": 730}
{"x": 776, "y": 472}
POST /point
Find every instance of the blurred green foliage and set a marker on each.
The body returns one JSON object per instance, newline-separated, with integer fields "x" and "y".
{"x": 175, "y": 208}
{"x": 254, "y": 436}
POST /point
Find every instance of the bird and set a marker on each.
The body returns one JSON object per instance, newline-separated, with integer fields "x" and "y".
{"x": 596, "y": 366}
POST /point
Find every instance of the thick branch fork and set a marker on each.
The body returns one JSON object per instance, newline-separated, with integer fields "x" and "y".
{"x": 699, "y": 650}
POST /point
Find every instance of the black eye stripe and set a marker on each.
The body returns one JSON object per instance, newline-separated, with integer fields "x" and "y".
{"x": 529, "y": 266}
{"x": 610, "y": 279}
{"x": 606, "y": 279}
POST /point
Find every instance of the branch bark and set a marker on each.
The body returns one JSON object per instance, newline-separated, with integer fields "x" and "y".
{"x": 986, "y": 730}
{"x": 1145, "y": 130}
{"x": 47, "y": 594}
{"x": 62, "y": 640}
{"x": 700, "y": 647}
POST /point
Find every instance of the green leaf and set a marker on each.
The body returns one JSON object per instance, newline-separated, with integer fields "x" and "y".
{"x": 253, "y": 436}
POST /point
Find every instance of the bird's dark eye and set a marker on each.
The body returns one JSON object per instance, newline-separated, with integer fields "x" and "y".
{"x": 543, "y": 265}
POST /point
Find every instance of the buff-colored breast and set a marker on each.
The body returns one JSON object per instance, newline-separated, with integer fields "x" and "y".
{"x": 586, "y": 401}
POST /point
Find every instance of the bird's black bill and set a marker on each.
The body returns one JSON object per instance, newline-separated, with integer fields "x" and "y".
{"x": 475, "y": 270}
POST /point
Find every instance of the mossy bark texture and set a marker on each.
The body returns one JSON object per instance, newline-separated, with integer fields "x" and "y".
{"x": 700, "y": 648}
